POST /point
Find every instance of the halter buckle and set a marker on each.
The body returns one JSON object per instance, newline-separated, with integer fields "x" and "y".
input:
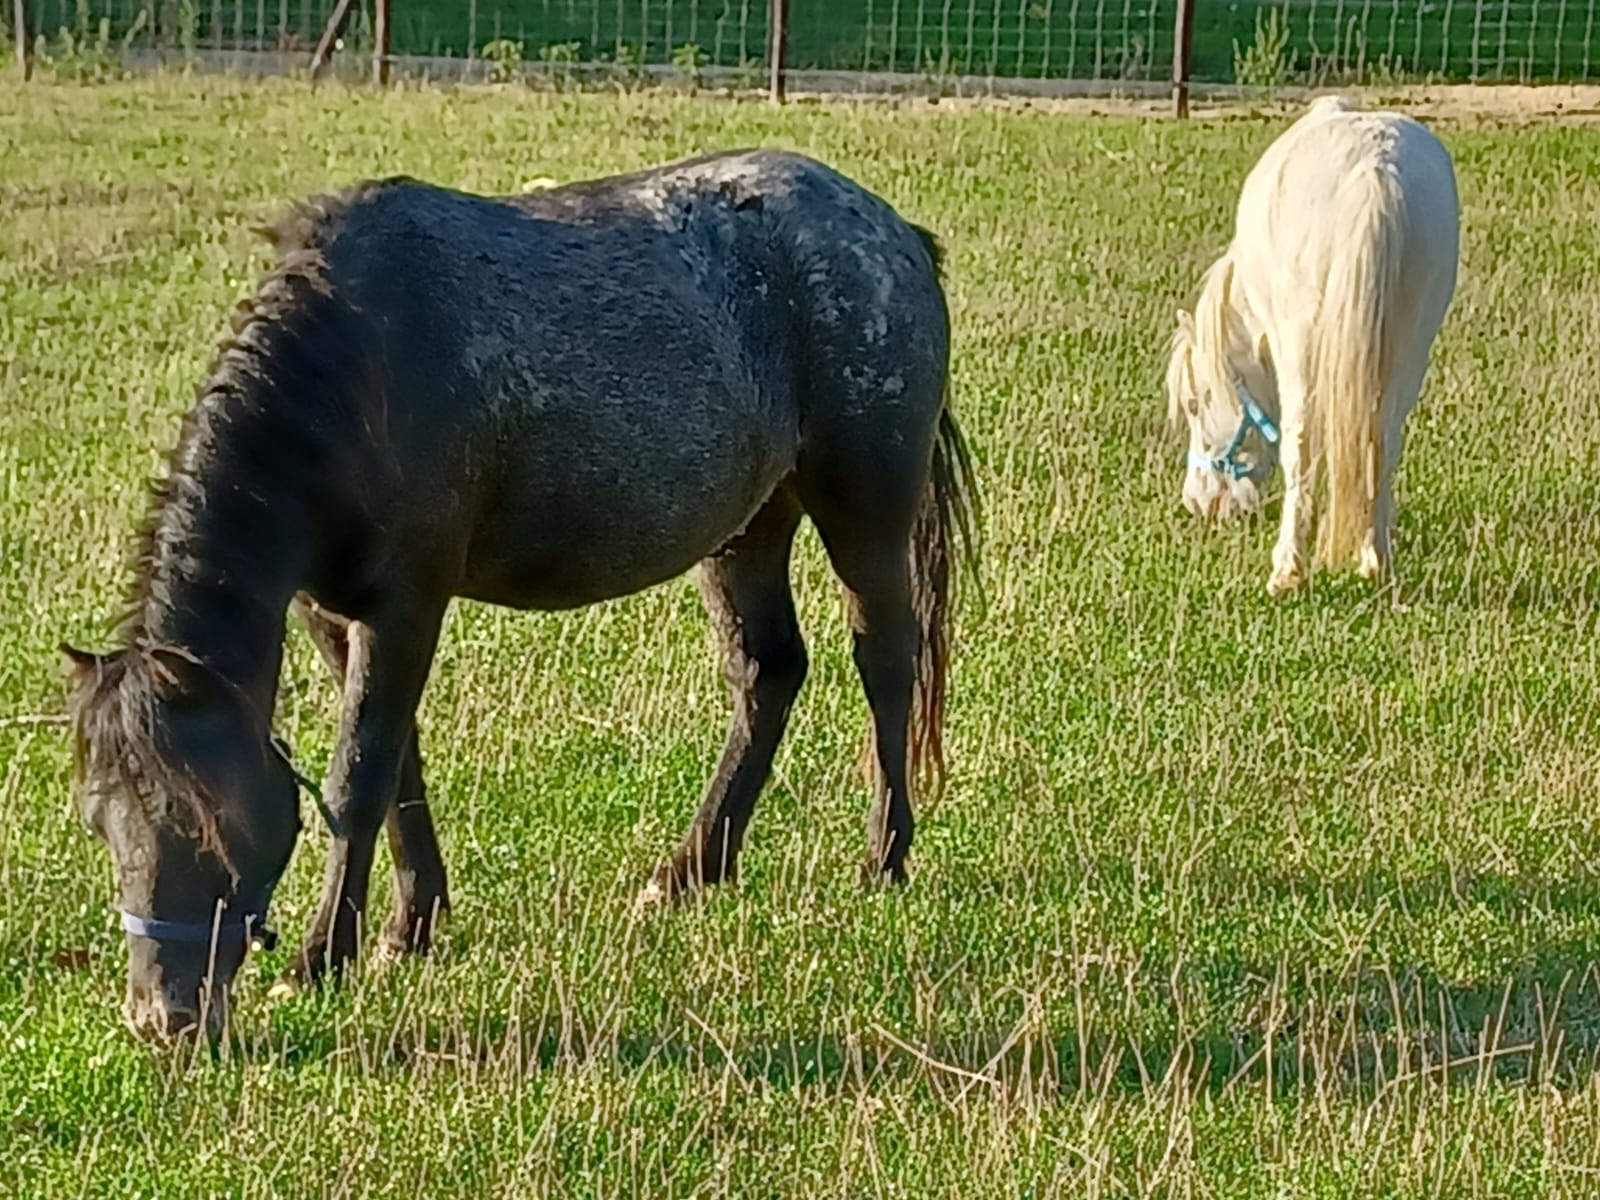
{"x": 1252, "y": 416}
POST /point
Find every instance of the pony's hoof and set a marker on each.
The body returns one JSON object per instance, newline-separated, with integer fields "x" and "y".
{"x": 411, "y": 936}
{"x": 659, "y": 892}
{"x": 1282, "y": 582}
{"x": 311, "y": 967}
{"x": 679, "y": 878}
{"x": 1370, "y": 567}
{"x": 877, "y": 873}
{"x": 386, "y": 955}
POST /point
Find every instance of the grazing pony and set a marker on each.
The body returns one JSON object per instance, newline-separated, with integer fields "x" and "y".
{"x": 540, "y": 401}
{"x": 1311, "y": 335}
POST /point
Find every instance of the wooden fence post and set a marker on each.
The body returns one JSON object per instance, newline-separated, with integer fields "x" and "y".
{"x": 380, "y": 43}
{"x": 19, "y": 12}
{"x": 330, "y": 35}
{"x": 1182, "y": 58}
{"x": 777, "y": 45}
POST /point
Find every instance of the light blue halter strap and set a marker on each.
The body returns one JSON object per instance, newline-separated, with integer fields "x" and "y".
{"x": 1227, "y": 463}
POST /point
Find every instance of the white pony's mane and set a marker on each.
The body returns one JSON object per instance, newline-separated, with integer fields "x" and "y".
{"x": 1201, "y": 347}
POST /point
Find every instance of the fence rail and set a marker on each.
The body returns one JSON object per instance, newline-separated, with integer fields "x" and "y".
{"x": 1244, "y": 41}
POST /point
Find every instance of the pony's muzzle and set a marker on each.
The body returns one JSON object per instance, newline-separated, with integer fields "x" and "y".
{"x": 1211, "y": 495}
{"x": 1205, "y": 493}
{"x": 164, "y": 1015}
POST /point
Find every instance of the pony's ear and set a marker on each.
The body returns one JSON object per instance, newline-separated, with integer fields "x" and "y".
{"x": 1186, "y": 321}
{"x": 80, "y": 663}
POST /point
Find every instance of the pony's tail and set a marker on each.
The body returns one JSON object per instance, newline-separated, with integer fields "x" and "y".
{"x": 944, "y": 536}
{"x": 1349, "y": 363}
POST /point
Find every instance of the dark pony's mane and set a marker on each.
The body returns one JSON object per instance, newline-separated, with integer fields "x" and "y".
{"x": 254, "y": 428}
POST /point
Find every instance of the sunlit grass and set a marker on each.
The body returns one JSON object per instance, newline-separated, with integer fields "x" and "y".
{"x": 1226, "y": 897}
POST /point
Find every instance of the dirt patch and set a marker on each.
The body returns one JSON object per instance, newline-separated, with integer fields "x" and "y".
{"x": 1463, "y": 104}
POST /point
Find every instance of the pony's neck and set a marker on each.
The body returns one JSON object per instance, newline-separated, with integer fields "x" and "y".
{"x": 224, "y": 551}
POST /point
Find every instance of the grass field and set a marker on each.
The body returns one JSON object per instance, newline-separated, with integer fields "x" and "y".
{"x": 1227, "y": 897}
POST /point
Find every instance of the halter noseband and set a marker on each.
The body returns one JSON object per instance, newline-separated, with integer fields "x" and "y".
{"x": 1227, "y": 463}
{"x": 252, "y": 927}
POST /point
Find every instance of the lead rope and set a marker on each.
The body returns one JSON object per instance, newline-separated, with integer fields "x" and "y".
{"x": 311, "y": 786}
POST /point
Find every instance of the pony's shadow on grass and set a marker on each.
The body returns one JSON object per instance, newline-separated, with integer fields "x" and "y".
{"x": 1356, "y": 1033}
{"x": 1537, "y": 551}
{"x": 1542, "y": 555}
{"x": 1353, "y": 1021}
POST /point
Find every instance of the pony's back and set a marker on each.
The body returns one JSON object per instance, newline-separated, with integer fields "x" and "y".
{"x": 1330, "y": 175}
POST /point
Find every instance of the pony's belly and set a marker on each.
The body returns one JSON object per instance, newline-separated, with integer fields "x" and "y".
{"x": 575, "y": 555}
{"x": 559, "y": 581}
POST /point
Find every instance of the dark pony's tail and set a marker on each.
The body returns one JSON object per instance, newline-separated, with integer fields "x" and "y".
{"x": 945, "y": 536}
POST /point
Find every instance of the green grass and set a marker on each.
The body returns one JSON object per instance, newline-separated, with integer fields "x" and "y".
{"x": 1227, "y": 897}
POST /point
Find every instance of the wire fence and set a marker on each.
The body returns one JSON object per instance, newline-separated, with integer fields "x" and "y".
{"x": 1263, "y": 42}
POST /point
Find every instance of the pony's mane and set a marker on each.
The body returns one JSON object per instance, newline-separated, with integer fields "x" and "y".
{"x": 293, "y": 347}
{"x": 289, "y": 290}
{"x": 1179, "y": 350}
{"x": 1204, "y": 348}
{"x": 934, "y": 247}
{"x": 292, "y": 330}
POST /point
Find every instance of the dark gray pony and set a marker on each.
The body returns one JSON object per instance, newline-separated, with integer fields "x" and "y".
{"x": 542, "y": 401}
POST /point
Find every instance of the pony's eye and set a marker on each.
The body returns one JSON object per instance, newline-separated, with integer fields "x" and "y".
{"x": 92, "y": 810}
{"x": 1194, "y": 406}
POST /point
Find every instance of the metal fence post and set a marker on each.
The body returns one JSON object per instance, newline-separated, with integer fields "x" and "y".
{"x": 778, "y": 39}
{"x": 19, "y": 12}
{"x": 1182, "y": 58}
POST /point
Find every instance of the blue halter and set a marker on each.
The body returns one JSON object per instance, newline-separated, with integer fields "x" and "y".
{"x": 1227, "y": 463}
{"x": 252, "y": 927}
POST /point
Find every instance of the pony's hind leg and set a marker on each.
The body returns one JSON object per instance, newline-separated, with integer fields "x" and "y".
{"x": 871, "y": 559}
{"x": 421, "y": 897}
{"x": 1375, "y": 557}
{"x": 747, "y": 594}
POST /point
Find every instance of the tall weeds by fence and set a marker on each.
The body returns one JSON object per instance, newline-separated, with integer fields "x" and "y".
{"x": 1245, "y": 41}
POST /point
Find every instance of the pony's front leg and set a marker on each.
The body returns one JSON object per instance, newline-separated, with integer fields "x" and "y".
{"x": 420, "y": 895}
{"x": 386, "y": 666}
{"x": 1299, "y": 492}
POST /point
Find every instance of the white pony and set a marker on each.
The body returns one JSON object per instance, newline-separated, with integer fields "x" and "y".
{"x": 1311, "y": 335}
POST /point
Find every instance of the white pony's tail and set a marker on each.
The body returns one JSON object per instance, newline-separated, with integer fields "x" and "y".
{"x": 1350, "y": 360}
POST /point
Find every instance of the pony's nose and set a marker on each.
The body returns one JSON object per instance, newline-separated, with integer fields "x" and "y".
{"x": 160, "y": 1023}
